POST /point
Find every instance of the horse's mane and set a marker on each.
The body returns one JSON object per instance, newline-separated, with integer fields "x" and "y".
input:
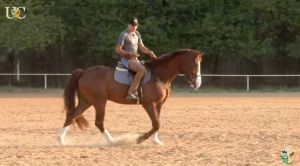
{"x": 161, "y": 60}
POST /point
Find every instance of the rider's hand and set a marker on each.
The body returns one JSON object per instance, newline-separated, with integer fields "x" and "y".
{"x": 134, "y": 54}
{"x": 152, "y": 54}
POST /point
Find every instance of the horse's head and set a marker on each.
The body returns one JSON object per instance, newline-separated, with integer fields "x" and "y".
{"x": 191, "y": 67}
{"x": 186, "y": 61}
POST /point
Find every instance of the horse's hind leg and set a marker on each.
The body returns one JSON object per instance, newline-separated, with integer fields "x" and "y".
{"x": 81, "y": 107}
{"x": 99, "y": 122}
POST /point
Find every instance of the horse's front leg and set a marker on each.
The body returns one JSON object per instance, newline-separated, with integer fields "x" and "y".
{"x": 153, "y": 114}
{"x": 155, "y": 135}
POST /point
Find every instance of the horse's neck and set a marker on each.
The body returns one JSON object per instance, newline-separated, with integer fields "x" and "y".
{"x": 167, "y": 72}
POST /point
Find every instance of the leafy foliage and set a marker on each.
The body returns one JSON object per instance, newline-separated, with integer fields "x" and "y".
{"x": 36, "y": 31}
{"x": 245, "y": 28}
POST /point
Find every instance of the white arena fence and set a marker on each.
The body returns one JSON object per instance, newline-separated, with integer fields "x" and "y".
{"x": 247, "y": 77}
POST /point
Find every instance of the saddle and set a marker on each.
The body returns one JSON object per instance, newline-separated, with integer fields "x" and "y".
{"x": 124, "y": 68}
{"x": 125, "y": 76}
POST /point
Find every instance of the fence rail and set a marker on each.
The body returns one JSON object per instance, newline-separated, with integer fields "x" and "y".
{"x": 203, "y": 75}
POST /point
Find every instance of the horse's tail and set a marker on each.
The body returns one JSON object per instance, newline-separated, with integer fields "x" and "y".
{"x": 70, "y": 92}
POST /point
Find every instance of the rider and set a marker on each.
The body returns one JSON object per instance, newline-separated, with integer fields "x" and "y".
{"x": 128, "y": 43}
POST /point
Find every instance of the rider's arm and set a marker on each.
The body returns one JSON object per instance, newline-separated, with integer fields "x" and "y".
{"x": 142, "y": 47}
{"x": 120, "y": 51}
{"x": 145, "y": 50}
{"x": 120, "y": 44}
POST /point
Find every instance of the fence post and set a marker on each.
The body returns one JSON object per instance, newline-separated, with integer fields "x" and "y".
{"x": 247, "y": 83}
{"x": 45, "y": 81}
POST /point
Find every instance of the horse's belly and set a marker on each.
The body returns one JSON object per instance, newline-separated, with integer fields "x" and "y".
{"x": 117, "y": 93}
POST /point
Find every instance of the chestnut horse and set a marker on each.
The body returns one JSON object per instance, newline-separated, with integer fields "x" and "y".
{"x": 96, "y": 85}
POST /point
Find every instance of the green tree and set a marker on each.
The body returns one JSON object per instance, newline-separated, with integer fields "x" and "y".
{"x": 278, "y": 23}
{"x": 36, "y": 31}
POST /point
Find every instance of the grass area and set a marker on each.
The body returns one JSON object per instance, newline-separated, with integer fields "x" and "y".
{"x": 174, "y": 90}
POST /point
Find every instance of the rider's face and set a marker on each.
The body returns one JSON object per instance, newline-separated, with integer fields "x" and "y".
{"x": 132, "y": 27}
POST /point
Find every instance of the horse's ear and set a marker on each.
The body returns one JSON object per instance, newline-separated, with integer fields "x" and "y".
{"x": 199, "y": 54}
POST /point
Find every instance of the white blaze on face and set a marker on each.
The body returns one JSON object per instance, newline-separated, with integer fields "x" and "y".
{"x": 198, "y": 79}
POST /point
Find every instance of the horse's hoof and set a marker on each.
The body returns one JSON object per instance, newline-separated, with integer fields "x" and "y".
{"x": 140, "y": 139}
{"x": 112, "y": 143}
{"x": 61, "y": 140}
{"x": 158, "y": 142}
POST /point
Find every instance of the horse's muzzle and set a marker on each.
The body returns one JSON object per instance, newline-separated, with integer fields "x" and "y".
{"x": 195, "y": 82}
